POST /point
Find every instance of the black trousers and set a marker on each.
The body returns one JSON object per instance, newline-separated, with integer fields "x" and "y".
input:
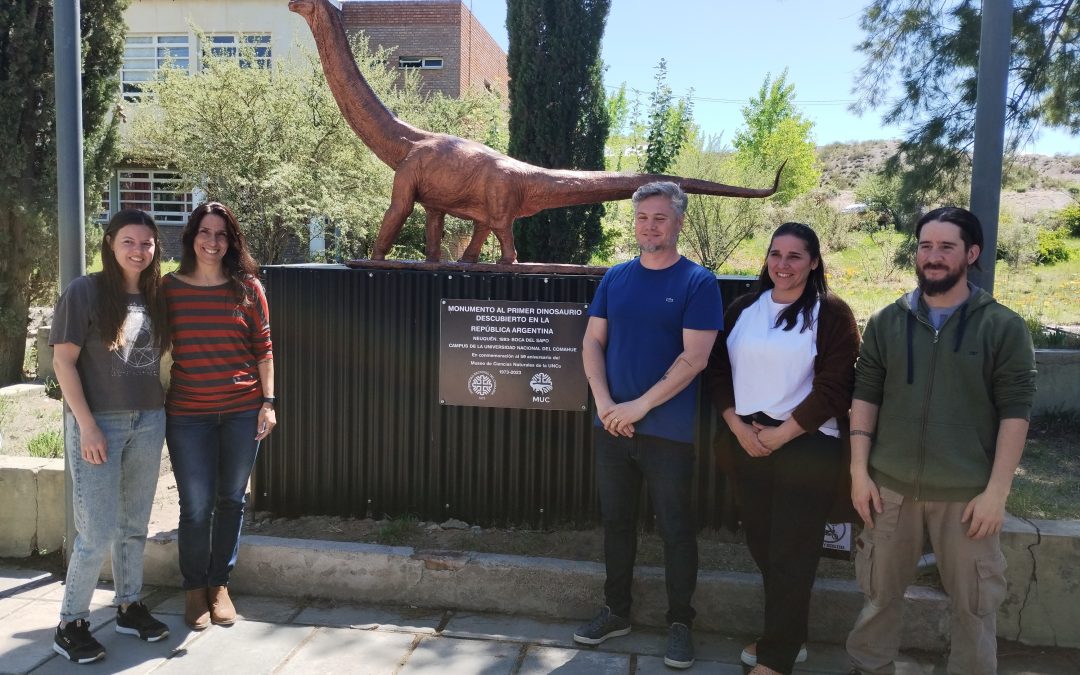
{"x": 785, "y": 500}
{"x": 667, "y": 469}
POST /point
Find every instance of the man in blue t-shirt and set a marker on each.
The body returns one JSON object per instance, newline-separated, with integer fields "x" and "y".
{"x": 652, "y": 324}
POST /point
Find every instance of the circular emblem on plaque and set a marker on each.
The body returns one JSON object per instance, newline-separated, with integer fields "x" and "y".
{"x": 482, "y": 383}
{"x": 834, "y": 532}
{"x": 541, "y": 383}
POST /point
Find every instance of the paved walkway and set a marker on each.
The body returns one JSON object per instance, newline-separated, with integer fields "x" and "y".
{"x": 283, "y": 636}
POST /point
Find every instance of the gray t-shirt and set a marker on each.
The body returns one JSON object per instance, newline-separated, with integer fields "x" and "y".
{"x": 939, "y": 315}
{"x": 124, "y": 379}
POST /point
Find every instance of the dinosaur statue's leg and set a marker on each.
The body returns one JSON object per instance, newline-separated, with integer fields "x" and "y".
{"x": 479, "y": 236}
{"x": 506, "y": 243}
{"x": 433, "y": 231}
{"x": 402, "y": 197}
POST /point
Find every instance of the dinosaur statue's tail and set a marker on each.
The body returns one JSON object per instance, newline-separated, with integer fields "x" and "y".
{"x": 591, "y": 187}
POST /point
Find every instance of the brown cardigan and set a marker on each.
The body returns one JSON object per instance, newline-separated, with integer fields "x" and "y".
{"x": 830, "y": 394}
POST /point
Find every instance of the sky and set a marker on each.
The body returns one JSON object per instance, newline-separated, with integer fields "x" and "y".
{"x": 724, "y": 49}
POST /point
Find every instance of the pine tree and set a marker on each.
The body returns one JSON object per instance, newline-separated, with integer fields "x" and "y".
{"x": 931, "y": 51}
{"x": 28, "y": 264}
{"x": 558, "y": 114}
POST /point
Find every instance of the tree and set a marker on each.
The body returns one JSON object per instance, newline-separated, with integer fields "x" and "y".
{"x": 931, "y": 50}
{"x": 669, "y": 123}
{"x": 28, "y": 265}
{"x": 776, "y": 132}
{"x": 273, "y": 145}
{"x": 558, "y": 116}
{"x": 714, "y": 227}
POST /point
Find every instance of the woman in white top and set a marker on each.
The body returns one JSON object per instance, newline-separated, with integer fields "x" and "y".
{"x": 782, "y": 379}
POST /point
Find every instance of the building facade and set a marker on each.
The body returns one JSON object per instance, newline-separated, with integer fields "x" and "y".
{"x": 442, "y": 39}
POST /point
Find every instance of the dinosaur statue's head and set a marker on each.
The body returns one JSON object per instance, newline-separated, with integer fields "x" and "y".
{"x": 305, "y": 8}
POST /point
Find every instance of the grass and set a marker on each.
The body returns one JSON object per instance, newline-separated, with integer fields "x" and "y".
{"x": 396, "y": 530}
{"x": 1046, "y": 485}
{"x": 47, "y": 445}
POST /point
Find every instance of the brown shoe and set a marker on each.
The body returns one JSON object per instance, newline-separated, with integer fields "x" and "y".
{"x": 222, "y": 612}
{"x": 196, "y": 610}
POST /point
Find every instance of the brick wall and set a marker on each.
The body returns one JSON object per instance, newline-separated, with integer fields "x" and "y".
{"x": 484, "y": 65}
{"x": 443, "y": 29}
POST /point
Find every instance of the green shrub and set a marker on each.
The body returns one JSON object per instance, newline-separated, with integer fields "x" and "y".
{"x": 1018, "y": 243}
{"x": 1052, "y": 247}
{"x": 1070, "y": 219}
{"x": 47, "y": 445}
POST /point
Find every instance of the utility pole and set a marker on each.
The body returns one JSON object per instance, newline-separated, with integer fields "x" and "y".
{"x": 986, "y": 158}
{"x": 71, "y": 217}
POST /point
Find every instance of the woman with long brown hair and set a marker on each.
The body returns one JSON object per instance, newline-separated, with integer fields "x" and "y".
{"x": 108, "y": 332}
{"x": 782, "y": 378}
{"x": 220, "y": 403}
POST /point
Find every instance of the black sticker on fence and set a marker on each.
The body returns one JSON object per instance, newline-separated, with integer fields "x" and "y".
{"x": 500, "y": 354}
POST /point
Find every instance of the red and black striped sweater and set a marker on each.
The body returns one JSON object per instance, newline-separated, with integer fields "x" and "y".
{"x": 218, "y": 344}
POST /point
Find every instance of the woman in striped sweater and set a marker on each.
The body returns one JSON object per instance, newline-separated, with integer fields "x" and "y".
{"x": 220, "y": 402}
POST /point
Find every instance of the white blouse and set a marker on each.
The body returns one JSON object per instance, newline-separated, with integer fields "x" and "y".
{"x": 772, "y": 369}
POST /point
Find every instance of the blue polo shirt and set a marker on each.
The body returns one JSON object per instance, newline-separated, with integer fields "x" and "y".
{"x": 646, "y": 312}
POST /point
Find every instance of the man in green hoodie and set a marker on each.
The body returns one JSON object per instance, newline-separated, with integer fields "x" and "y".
{"x": 944, "y": 385}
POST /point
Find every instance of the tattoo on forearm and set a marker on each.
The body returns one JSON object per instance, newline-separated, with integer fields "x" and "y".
{"x": 675, "y": 365}
{"x": 860, "y": 432}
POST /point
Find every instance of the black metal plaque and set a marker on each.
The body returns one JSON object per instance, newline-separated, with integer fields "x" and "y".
{"x": 500, "y": 354}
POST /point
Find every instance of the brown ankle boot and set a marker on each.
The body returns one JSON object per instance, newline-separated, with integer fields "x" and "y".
{"x": 222, "y": 612}
{"x": 196, "y": 609}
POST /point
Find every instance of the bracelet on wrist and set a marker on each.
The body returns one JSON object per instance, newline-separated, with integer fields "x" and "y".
{"x": 268, "y": 400}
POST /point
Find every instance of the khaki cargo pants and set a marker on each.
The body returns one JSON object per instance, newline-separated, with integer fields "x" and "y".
{"x": 972, "y": 572}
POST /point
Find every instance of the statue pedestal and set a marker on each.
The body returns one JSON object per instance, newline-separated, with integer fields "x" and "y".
{"x": 448, "y": 266}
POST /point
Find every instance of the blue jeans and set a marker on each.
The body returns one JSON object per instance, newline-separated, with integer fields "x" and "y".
{"x": 212, "y": 457}
{"x": 667, "y": 467}
{"x": 112, "y": 504}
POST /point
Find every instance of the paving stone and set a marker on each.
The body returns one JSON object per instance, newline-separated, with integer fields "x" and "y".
{"x": 102, "y": 597}
{"x": 441, "y": 655}
{"x": 654, "y": 665}
{"x": 26, "y": 635}
{"x": 11, "y": 605}
{"x": 516, "y": 629}
{"x": 349, "y": 652}
{"x": 245, "y": 647}
{"x": 541, "y": 660}
{"x": 13, "y": 578}
{"x": 368, "y": 617}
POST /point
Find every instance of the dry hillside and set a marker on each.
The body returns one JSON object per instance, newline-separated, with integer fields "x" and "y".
{"x": 1034, "y": 183}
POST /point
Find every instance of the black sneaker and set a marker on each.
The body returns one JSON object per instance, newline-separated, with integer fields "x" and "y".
{"x": 75, "y": 643}
{"x": 603, "y": 626}
{"x": 680, "y": 647}
{"x": 137, "y": 621}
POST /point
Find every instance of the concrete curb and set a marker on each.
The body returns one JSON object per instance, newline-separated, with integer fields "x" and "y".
{"x": 727, "y": 602}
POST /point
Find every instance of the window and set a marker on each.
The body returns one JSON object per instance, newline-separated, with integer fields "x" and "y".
{"x": 250, "y": 50}
{"x": 103, "y": 214}
{"x": 157, "y": 192}
{"x": 427, "y": 62}
{"x": 145, "y": 55}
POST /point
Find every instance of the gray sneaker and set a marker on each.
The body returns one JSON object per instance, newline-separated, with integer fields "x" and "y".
{"x": 603, "y": 626}
{"x": 680, "y": 647}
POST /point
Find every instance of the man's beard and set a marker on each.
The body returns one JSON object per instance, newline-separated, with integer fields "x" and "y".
{"x": 932, "y": 287}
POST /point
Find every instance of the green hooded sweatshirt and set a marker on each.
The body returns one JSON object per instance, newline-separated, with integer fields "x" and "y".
{"x": 942, "y": 393}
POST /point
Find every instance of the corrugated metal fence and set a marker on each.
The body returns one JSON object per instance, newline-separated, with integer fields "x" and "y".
{"x": 361, "y": 431}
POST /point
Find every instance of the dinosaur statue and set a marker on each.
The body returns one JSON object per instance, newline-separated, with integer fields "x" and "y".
{"x": 456, "y": 176}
